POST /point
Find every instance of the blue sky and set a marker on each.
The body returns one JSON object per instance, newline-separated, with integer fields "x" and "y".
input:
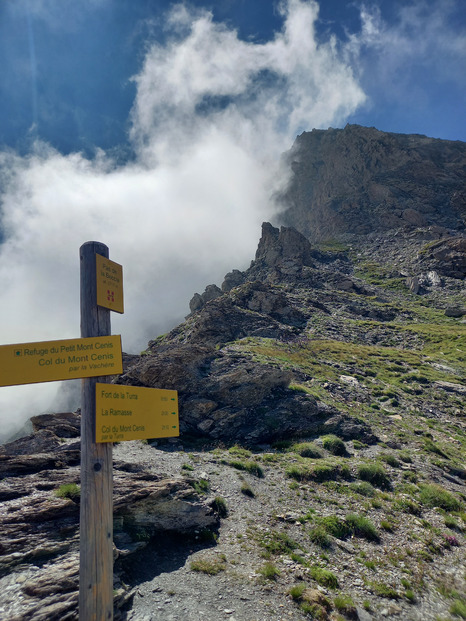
{"x": 157, "y": 128}
{"x": 67, "y": 66}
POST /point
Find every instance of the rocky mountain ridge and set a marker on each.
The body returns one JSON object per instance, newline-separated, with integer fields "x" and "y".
{"x": 359, "y": 180}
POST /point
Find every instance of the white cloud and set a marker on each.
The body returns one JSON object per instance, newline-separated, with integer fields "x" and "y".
{"x": 211, "y": 117}
{"x": 418, "y": 50}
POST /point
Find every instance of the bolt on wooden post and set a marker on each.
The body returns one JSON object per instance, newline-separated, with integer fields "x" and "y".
{"x": 96, "y": 511}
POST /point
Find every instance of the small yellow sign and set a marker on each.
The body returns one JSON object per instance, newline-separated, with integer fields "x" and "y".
{"x": 50, "y": 361}
{"x": 135, "y": 413}
{"x": 109, "y": 284}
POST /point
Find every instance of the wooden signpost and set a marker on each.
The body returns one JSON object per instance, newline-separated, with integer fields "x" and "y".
{"x": 109, "y": 413}
{"x": 96, "y": 505}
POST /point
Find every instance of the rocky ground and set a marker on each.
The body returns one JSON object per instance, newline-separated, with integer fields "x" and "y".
{"x": 270, "y": 542}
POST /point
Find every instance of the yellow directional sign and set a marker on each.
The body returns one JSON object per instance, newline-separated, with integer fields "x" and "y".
{"x": 49, "y": 361}
{"x": 135, "y": 413}
{"x": 109, "y": 284}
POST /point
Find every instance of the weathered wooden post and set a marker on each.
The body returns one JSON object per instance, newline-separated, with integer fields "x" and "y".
{"x": 96, "y": 512}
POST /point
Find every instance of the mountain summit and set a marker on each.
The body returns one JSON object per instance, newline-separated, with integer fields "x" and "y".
{"x": 359, "y": 180}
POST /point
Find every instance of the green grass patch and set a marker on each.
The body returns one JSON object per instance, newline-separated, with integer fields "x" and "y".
{"x": 269, "y": 571}
{"x": 334, "y": 445}
{"x": 432, "y": 495}
{"x": 220, "y": 506}
{"x": 345, "y": 606}
{"x": 384, "y": 590}
{"x": 276, "y": 542}
{"x": 324, "y": 577}
{"x": 202, "y": 486}
{"x": 212, "y": 567}
{"x": 319, "y": 536}
{"x": 247, "y": 490}
{"x": 364, "y": 489}
{"x": 306, "y": 449}
{"x": 238, "y": 451}
{"x": 375, "y": 474}
{"x": 252, "y": 467}
{"x": 390, "y": 459}
{"x": 362, "y": 527}
{"x": 69, "y": 490}
{"x": 458, "y": 608}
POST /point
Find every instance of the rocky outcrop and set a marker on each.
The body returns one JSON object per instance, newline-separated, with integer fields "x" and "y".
{"x": 211, "y": 293}
{"x": 41, "y": 528}
{"x": 358, "y": 180}
{"x": 230, "y": 396}
{"x": 447, "y": 257}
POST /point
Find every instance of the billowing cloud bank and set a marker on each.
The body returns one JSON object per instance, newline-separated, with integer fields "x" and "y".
{"x": 212, "y": 115}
